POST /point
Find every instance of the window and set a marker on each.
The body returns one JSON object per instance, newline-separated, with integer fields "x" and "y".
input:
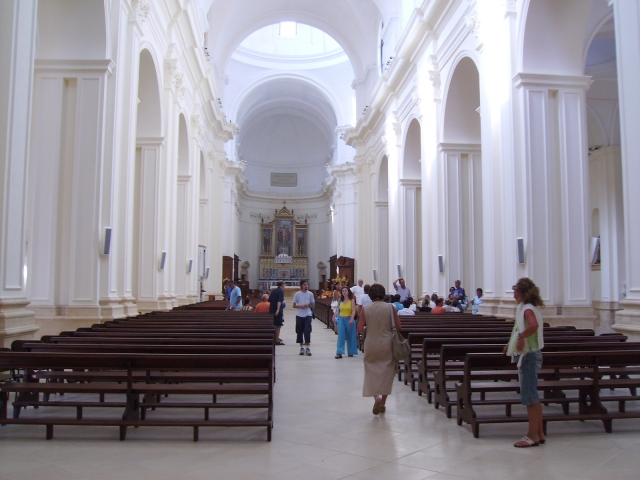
{"x": 288, "y": 29}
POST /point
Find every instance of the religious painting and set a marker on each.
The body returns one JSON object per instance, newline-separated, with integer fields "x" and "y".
{"x": 285, "y": 236}
{"x": 301, "y": 242}
{"x": 266, "y": 240}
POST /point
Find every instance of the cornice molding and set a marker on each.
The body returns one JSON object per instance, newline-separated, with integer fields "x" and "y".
{"x": 98, "y": 66}
{"x": 552, "y": 81}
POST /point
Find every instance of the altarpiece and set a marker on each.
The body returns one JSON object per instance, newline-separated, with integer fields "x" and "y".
{"x": 283, "y": 250}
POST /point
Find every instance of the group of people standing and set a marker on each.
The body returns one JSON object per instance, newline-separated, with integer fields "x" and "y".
{"x": 363, "y": 309}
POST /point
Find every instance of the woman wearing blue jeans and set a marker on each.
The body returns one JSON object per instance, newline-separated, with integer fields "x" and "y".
{"x": 346, "y": 324}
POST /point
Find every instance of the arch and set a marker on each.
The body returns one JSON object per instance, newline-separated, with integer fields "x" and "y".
{"x": 235, "y": 110}
{"x": 552, "y": 37}
{"x": 412, "y": 152}
{"x": 72, "y": 30}
{"x": 225, "y": 50}
{"x": 462, "y": 100}
{"x": 184, "y": 167}
{"x": 460, "y": 152}
{"x": 150, "y": 106}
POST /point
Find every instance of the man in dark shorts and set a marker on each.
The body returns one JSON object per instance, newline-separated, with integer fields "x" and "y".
{"x": 276, "y": 299}
{"x": 304, "y": 301}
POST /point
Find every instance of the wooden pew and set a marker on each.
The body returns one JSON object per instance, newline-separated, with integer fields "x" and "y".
{"x": 424, "y": 370}
{"x": 131, "y": 390}
{"x": 579, "y": 372}
{"x": 451, "y": 367}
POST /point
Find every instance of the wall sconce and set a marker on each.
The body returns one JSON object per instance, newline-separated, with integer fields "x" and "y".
{"x": 440, "y": 264}
{"x": 399, "y": 271}
{"x": 520, "y": 241}
{"x": 107, "y": 241}
{"x": 163, "y": 259}
{"x": 375, "y": 275}
{"x": 190, "y": 266}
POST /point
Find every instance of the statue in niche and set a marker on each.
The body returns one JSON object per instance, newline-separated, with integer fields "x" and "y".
{"x": 284, "y": 236}
{"x": 266, "y": 241}
{"x": 301, "y": 241}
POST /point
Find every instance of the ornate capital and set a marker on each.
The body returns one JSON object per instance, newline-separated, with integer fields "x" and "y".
{"x": 434, "y": 78}
{"x": 198, "y": 128}
{"x": 142, "y": 9}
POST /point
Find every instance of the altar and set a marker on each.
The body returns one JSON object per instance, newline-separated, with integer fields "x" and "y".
{"x": 283, "y": 252}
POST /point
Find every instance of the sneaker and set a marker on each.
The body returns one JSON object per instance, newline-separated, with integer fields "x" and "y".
{"x": 308, "y": 352}
{"x": 301, "y": 350}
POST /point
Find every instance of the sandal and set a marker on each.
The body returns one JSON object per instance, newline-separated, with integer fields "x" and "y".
{"x": 338, "y": 356}
{"x": 543, "y": 441}
{"x": 525, "y": 442}
{"x": 279, "y": 342}
{"x": 383, "y": 409}
{"x": 377, "y": 407}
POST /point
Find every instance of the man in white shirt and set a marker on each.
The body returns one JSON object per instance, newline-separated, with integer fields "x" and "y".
{"x": 401, "y": 289}
{"x": 406, "y": 310}
{"x": 358, "y": 291}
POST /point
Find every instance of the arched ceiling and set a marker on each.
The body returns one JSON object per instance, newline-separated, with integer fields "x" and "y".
{"x": 354, "y": 24}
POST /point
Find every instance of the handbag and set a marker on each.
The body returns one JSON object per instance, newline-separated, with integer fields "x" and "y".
{"x": 399, "y": 346}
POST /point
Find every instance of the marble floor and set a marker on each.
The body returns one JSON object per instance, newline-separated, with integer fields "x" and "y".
{"x": 324, "y": 430}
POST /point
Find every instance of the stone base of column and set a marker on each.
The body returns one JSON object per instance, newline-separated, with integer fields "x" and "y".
{"x": 606, "y": 313}
{"x": 16, "y": 321}
{"x": 579, "y": 317}
{"x": 627, "y": 320}
{"x": 162, "y": 304}
{"x": 501, "y": 308}
{"x": 191, "y": 299}
{"x": 111, "y": 308}
{"x": 182, "y": 301}
{"x": 55, "y": 319}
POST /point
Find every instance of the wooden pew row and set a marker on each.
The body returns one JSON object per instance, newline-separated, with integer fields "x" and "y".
{"x": 426, "y": 369}
{"x": 429, "y": 363}
{"x": 415, "y": 335}
{"x": 580, "y": 372}
{"x": 130, "y": 391}
{"x": 451, "y": 367}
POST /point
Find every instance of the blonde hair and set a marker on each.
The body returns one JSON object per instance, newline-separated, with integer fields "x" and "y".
{"x": 529, "y": 291}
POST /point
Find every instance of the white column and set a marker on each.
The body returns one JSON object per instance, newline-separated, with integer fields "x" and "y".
{"x": 149, "y": 251}
{"x": 409, "y": 199}
{"x": 183, "y": 250}
{"x": 125, "y": 234}
{"x": 552, "y": 191}
{"x": 67, "y": 179}
{"x": 17, "y": 43}
{"x": 430, "y": 107}
{"x": 345, "y": 198}
{"x": 627, "y": 25}
{"x": 606, "y": 198}
{"x": 393, "y": 142}
{"x": 228, "y": 228}
{"x": 462, "y": 166}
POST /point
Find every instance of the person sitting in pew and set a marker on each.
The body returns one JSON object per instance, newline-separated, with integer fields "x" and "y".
{"x": 439, "y": 308}
{"x": 477, "y": 301}
{"x": 246, "y": 305}
{"x": 448, "y": 308}
{"x": 396, "y": 302}
{"x": 524, "y": 347}
{"x": 263, "y": 306}
{"x": 407, "y": 308}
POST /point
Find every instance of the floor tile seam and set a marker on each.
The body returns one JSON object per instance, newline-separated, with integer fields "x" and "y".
{"x": 388, "y": 462}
